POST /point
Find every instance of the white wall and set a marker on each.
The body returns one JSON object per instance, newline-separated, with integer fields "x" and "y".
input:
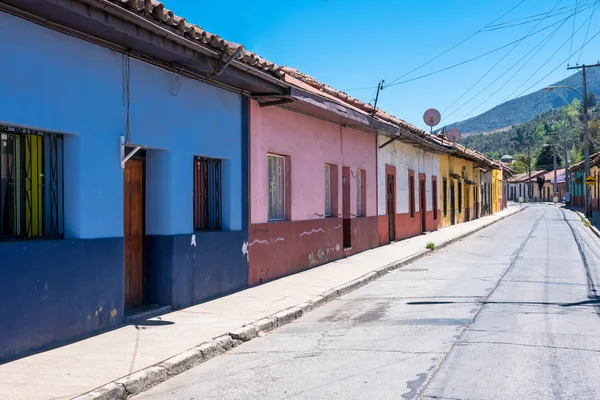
{"x": 404, "y": 157}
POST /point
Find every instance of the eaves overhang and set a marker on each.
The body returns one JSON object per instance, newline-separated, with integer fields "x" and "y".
{"x": 115, "y": 27}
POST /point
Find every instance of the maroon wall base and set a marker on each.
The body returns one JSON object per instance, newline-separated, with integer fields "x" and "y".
{"x": 406, "y": 227}
{"x": 277, "y": 249}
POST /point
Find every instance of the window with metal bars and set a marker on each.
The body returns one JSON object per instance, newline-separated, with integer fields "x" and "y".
{"x": 276, "y": 181}
{"x": 207, "y": 193}
{"x": 31, "y": 184}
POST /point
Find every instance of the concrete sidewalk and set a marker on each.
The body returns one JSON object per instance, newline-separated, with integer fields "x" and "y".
{"x": 81, "y": 367}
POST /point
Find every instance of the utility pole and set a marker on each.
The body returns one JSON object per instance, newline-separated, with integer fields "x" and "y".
{"x": 567, "y": 173}
{"x": 586, "y": 139}
{"x": 529, "y": 187}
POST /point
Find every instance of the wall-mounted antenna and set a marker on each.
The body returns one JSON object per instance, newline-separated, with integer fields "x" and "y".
{"x": 453, "y": 135}
{"x": 379, "y": 88}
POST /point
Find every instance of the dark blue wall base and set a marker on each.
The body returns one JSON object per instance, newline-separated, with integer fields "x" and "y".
{"x": 180, "y": 274}
{"x": 55, "y": 292}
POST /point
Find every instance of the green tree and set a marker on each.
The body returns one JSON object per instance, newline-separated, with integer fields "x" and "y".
{"x": 545, "y": 158}
{"x": 591, "y": 99}
{"x": 575, "y": 155}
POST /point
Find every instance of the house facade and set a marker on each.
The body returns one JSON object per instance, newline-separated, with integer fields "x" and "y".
{"x": 407, "y": 189}
{"x": 313, "y": 192}
{"x": 578, "y": 185}
{"x": 154, "y": 165}
{"x": 459, "y": 189}
{"x": 123, "y": 180}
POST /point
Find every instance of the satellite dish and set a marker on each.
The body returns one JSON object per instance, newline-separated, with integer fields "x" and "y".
{"x": 432, "y": 117}
{"x": 453, "y": 135}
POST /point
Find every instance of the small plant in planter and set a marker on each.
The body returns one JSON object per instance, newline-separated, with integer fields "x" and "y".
{"x": 430, "y": 246}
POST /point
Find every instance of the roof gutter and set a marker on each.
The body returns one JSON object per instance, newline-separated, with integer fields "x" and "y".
{"x": 135, "y": 19}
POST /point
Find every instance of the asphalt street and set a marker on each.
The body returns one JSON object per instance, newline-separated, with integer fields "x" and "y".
{"x": 509, "y": 313}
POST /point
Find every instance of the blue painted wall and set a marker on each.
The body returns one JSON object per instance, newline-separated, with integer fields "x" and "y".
{"x": 60, "y": 83}
{"x": 57, "y": 291}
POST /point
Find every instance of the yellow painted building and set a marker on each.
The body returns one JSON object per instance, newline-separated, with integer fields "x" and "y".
{"x": 459, "y": 190}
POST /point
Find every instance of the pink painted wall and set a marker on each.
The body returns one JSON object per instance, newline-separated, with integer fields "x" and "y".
{"x": 310, "y": 143}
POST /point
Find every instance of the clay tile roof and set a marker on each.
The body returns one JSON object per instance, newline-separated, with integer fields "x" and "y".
{"x": 594, "y": 160}
{"x": 156, "y": 12}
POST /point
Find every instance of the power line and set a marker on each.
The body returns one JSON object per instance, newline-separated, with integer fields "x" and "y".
{"x": 455, "y": 46}
{"x": 494, "y": 66}
{"x": 473, "y": 58}
{"x": 545, "y": 76}
{"x": 529, "y": 20}
{"x": 551, "y": 57}
{"x": 572, "y": 34}
{"x": 543, "y": 43}
{"x": 586, "y": 34}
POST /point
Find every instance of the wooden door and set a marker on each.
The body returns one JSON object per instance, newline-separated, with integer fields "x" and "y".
{"x": 133, "y": 199}
{"x": 391, "y": 209}
{"x": 423, "y": 204}
{"x": 452, "y": 208}
{"x": 347, "y": 222}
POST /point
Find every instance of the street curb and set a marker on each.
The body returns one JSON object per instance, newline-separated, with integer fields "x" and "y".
{"x": 592, "y": 227}
{"x": 148, "y": 377}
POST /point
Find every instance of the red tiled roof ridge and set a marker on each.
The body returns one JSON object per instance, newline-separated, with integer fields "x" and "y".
{"x": 346, "y": 98}
{"x": 156, "y": 12}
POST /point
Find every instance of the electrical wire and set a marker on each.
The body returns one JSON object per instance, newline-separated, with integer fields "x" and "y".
{"x": 548, "y": 74}
{"x": 586, "y": 34}
{"x": 495, "y": 65}
{"x": 530, "y": 19}
{"x": 473, "y": 58}
{"x": 455, "y": 46}
{"x": 543, "y": 43}
{"x": 572, "y": 34}
{"x": 532, "y": 75}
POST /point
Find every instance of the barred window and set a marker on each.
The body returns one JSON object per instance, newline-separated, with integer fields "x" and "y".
{"x": 276, "y": 181}
{"x": 207, "y": 193}
{"x": 31, "y": 184}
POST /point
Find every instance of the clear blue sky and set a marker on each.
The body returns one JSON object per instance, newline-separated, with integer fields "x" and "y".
{"x": 352, "y": 44}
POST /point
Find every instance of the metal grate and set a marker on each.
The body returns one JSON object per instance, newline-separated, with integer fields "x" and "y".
{"x": 276, "y": 181}
{"x": 31, "y": 184}
{"x": 207, "y": 193}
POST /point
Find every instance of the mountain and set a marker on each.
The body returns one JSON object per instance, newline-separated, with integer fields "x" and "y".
{"x": 524, "y": 108}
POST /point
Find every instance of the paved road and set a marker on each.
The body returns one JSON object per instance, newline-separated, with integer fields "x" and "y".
{"x": 509, "y": 313}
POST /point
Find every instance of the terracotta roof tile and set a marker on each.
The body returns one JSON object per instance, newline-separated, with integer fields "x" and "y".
{"x": 156, "y": 12}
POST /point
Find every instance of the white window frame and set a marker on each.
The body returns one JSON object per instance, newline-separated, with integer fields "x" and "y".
{"x": 327, "y": 190}
{"x": 274, "y": 162}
